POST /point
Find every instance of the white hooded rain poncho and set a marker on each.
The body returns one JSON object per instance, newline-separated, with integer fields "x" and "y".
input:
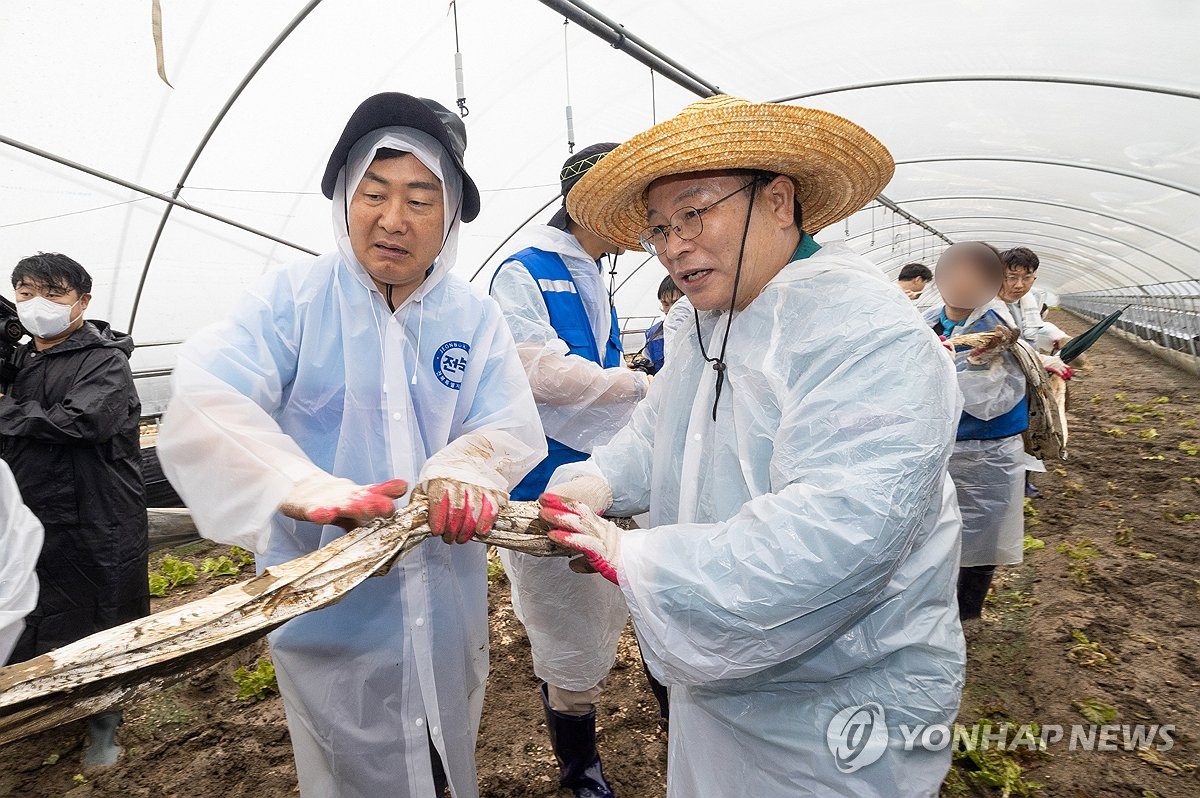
{"x": 582, "y": 405}
{"x": 313, "y": 372}
{"x": 804, "y": 546}
{"x": 989, "y": 474}
{"x": 21, "y": 542}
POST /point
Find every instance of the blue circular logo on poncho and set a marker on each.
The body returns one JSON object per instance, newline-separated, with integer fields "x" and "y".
{"x": 450, "y": 363}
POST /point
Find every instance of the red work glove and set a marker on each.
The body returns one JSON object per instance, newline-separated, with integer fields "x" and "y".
{"x": 326, "y": 499}
{"x": 576, "y": 527}
{"x": 1065, "y": 371}
{"x": 458, "y": 511}
{"x": 1054, "y": 365}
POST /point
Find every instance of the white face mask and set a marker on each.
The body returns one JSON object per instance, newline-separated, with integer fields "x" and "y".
{"x": 43, "y": 318}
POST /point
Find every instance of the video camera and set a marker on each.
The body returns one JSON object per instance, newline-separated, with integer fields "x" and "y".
{"x": 11, "y": 333}
{"x": 640, "y": 362}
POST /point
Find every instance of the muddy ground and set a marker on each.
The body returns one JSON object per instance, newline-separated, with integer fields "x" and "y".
{"x": 1104, "y": 617}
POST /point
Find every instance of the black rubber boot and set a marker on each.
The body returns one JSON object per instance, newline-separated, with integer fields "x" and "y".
{"x": 974, "y": 581}
{"x": 102, "y": 749}
{"x": 574, "y": 742}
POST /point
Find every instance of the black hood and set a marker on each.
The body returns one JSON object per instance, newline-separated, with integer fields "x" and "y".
{"x": 94, "y": 334}
{"x": 402, "y": 110}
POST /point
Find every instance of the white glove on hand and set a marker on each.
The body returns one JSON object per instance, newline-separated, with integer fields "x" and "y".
{"x": 593, "y": 491}
{"x": 576, "y": 527}
{"x": 1055, "y": 365}
{"x": 458, "y": 511}
{"x": 326, "y": 499}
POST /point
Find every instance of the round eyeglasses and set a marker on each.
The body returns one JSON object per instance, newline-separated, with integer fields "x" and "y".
{"x": 685, "y": 223}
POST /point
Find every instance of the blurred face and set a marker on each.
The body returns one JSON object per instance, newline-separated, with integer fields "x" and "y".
{"x": 396, "y": 223}
{"x": 1017, "y": 282}
{"x": 962, "y": 280}
{"x": 705, "y": 267}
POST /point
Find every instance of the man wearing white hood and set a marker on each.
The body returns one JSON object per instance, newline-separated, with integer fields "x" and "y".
{"x": 300, "y": 416}
{"x": 562, "y": 317}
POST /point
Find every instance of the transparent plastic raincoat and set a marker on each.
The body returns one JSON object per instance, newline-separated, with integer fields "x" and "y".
{"x": 804, "y": 547}
{"x": 1026, "y": 312}
{"x": 21, "y": 542}
{"x": 678, "y": 323}
{"x": 311, "y": 372}
{"x": 581, "y": 405}
{"x": 989, "y": 474}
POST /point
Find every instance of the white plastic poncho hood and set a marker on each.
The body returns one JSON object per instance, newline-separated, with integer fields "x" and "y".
{"x": 426, "y": 149}
{"x": 804, "y": 547}
{"x": 313, "y": 372}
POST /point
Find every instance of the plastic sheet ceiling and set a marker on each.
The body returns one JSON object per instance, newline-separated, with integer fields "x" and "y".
{"x": 1068, "y": 127}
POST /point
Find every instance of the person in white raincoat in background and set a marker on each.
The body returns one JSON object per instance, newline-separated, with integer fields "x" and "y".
{"x": 1023, "y": 305}
{"x": 299, "y": 416}
{"x": 21, "y": 542}
{"x": 796, "y": 589}
{"x": 554, "y": 299}
{"x": 989, "y": 460}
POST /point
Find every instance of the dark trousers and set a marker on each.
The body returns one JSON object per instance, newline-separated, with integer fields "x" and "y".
{"x": 440, "y": 782}
{"x": 974, "y": 581}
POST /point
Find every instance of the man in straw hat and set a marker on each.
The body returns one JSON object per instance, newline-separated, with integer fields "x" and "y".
{"x": 336, "y": 380}
{"x": 796, "y": 589}
{"x": 553, "y": 295}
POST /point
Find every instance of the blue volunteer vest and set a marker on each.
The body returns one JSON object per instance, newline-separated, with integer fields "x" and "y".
{"x": 570, "y": 321}
{"x": 1013, "y": 422}
{"x": 656, "y": 344}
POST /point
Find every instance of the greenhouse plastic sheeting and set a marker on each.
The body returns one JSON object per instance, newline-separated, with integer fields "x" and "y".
{"x": 1068, "y": 127}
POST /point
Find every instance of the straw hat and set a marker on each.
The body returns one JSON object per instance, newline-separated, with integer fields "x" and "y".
{"x": 836, "y": 165}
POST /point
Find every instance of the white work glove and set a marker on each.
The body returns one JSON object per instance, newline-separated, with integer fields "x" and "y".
{"x": 642, "y": 381}
{"x": 1055, "y": 365}
{"x": 458, "y": 511}
{"x": 588, "y": 489}
{"x": 1003, "y": 338}
{"x": 575, "y": 526}
{"x": 326, "y": 499}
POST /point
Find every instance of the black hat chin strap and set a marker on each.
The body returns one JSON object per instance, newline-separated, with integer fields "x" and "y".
{"x": 612, "y": 277}
{"x": 718, "y": 363}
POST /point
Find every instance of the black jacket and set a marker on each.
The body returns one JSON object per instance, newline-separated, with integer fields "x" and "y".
{"x": 69, "y": 432}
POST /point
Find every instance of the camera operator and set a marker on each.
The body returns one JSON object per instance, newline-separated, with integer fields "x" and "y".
{"x": 69, "y": 432}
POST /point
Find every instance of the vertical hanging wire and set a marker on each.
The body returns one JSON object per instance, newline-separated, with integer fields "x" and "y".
{"x": 458, "y": 66}
{"x": 846, "y": 228}
{"x": 567, "y": 79}
{"x": 653, "y": 101}
{"x": 872, "y": 225}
